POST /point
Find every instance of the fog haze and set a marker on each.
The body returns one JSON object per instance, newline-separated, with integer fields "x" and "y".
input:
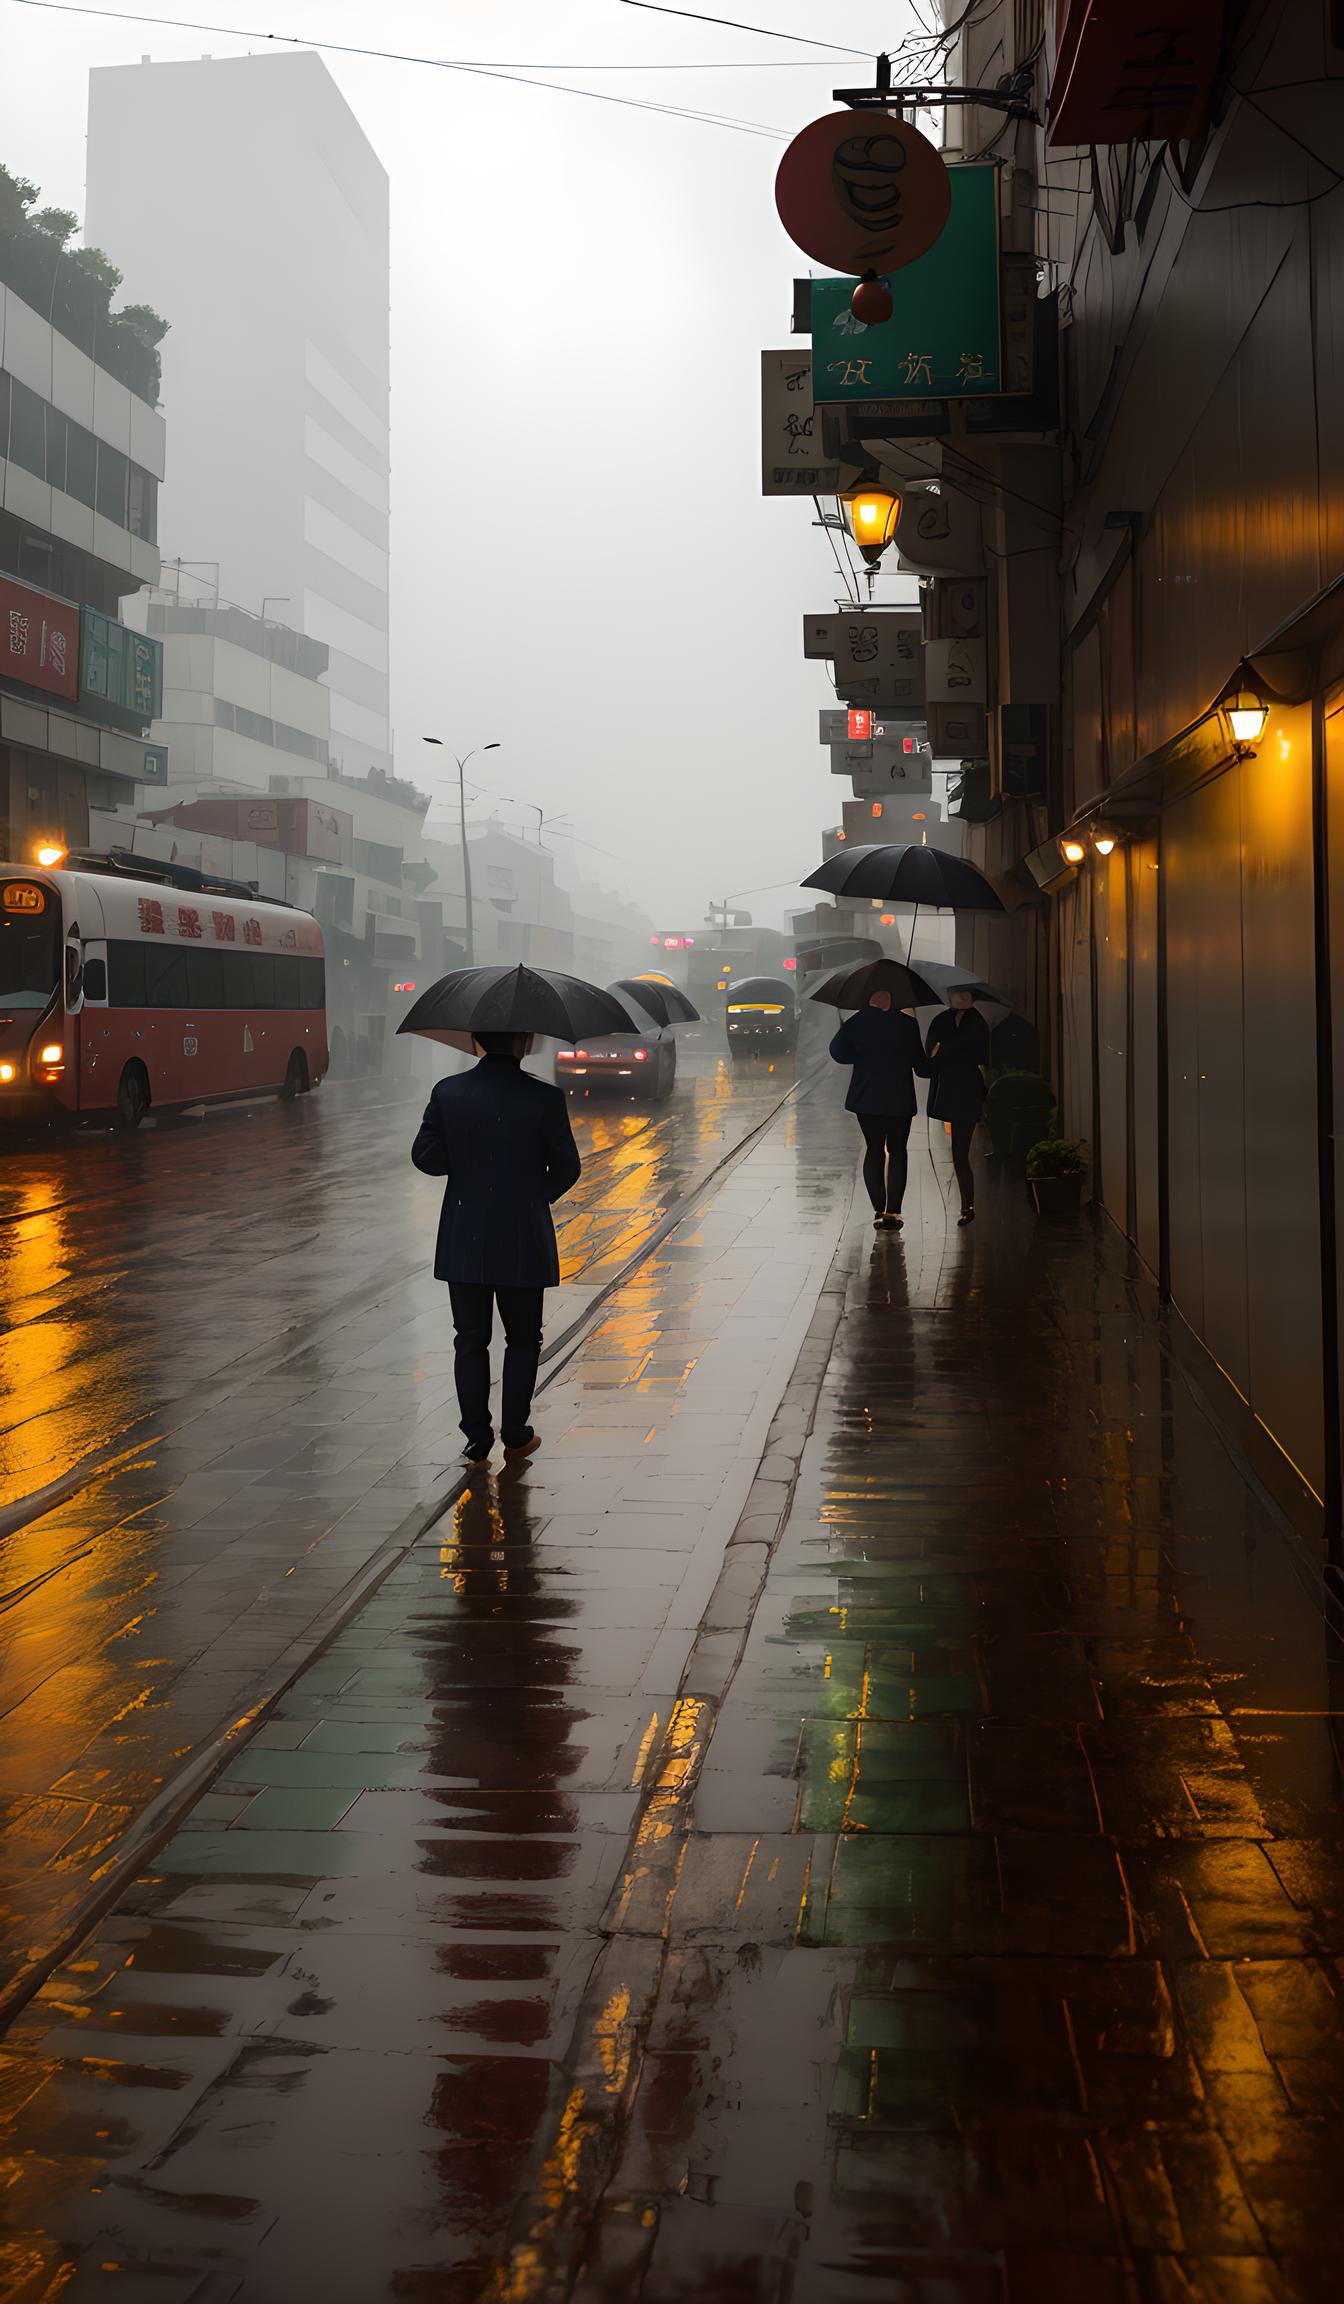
{"x": 582, "y": 565}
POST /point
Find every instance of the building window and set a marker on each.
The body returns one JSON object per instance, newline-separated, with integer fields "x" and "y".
{"x": 113, "y": 480}
{"x": 27, "y": 430}
{"x": 55, "y": 449}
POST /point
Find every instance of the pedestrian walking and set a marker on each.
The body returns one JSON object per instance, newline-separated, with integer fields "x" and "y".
{"x": 503, "y": 1142}
{"x": 957, "y": 1048}
{"x": 882, "y": 1044}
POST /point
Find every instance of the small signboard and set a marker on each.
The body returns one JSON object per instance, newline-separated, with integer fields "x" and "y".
{"x": 154, "y": 767}
{"x": 955, "y": 671}
{"x": 120, "y": 671}
{"x": 793, "y": 455}
{"x": 39, "y": 639}
{"x": 944, "y": 338}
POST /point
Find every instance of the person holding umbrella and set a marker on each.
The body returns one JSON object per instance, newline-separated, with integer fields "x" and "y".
{"x": 503, "y": 1143}
{"x": 956, "y": 1048}
{"x": 882, "y": 1044}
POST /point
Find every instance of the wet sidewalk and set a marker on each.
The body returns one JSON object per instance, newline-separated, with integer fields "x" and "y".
{"x": 858, "y": 1817}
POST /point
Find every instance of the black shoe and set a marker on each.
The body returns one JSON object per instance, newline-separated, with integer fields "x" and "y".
{"x": 895, "y": 1219}
{"x": 967, "y": 1216}
{"x": 526, "y": 1445}
{"x": 476, "y": 1451}
{"x": 883, "y": 1223}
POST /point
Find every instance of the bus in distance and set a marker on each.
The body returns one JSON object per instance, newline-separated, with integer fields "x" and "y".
{"x": 121, "y": 996}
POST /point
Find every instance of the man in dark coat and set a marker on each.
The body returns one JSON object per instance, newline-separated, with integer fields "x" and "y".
{"x": 957, "y": 1047}
{"x": 504, "y": 1143}
{"x": 883, "y": 1045}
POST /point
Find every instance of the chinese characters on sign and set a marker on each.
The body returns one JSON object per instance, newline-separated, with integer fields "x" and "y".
{"x": 943, "y": 339}
{"x": 39, "y": 639}
{"x": 793, "y": 458}
{"x": 120, "y": 670}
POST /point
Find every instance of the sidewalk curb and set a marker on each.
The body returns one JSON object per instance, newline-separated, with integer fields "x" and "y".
{"x": 603, "y": 2064}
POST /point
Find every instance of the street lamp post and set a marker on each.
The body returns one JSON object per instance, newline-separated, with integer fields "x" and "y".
{"x": 469, "y": 939}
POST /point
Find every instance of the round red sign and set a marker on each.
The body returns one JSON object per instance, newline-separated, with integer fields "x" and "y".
{"x": 862, "y": 192}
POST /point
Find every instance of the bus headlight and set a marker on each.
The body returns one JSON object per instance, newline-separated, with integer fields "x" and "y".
{"x": 6, "y": 1073}
{"x": 53, "y": 1053}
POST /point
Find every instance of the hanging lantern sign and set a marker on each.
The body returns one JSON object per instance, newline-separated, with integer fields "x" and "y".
{"x": 862, "y": 192}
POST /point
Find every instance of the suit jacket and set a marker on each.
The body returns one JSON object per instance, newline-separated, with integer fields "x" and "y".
{"x": 885, "y": 1049}
{"x": 956, "y": 1050}
{"x": 504, "y": 1143}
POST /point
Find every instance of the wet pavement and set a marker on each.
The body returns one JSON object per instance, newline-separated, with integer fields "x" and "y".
{"x": 238, "y": 1314}
{"x": 858, "y": 1816}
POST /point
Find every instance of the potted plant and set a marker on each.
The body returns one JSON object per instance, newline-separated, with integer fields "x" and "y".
{"x": 1019, "y": 1110}
{"x": 1056, "y": 1168}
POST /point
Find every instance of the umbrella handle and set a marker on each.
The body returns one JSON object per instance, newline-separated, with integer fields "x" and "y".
{"x": 911, "y": 945}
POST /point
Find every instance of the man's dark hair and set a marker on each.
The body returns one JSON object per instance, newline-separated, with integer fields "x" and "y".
{"x": 503, "y": 1043}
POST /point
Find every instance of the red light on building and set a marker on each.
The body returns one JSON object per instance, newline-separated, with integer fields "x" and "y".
{"x": 908, "y": 744}
{"x": 790, "y": 964}
{"x": 887, "y": 920}
{"x": 876, "y": 808}
{"x": 860, "y": 727}
{"x": 918, "y": 816}
{"x": 403, "y": 987}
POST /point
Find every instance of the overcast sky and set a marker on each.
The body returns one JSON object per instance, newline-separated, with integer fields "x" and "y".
{"x": 582, "y": 564}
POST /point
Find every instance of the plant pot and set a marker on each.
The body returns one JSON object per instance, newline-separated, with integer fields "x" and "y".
{"x": 1057, "y": 1195}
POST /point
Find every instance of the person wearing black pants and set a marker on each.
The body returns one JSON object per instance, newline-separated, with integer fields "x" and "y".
{"x": 957, "y": 1047}
{"x": 883, "y": 1046}
{"x": 503, "y": 1144}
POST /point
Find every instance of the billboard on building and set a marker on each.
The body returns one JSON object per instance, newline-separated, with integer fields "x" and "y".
{"x": 39, "y": 639}
{"x": 944, "y": 337}
{"x": 120, "y": 671}
{"x": 793, "y": 458}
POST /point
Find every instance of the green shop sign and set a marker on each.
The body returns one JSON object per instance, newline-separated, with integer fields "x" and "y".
{"x": 120, "y": 671}
{"x": 943, "y": 340}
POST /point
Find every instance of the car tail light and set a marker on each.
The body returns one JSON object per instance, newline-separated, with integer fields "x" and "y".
{"x": 582, "y": 1055}
{"x": 6, "y": 1073}
{"x": 54, "y": 1053}
{"x": 641, "y": 1055}
{"x": 564, "y": 1055}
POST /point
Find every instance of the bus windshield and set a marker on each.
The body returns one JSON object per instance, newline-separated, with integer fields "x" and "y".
{"x": 30, "y": 947}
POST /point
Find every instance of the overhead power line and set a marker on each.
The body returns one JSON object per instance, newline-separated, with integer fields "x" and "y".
{"x": 402, "y": 56}
{"x": 733, "y": 24}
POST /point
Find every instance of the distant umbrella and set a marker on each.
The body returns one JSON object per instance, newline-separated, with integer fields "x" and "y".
{"x": 904, "y": 873}
{"x": 946, "y": 977}
{"x": 666, "y": 1003}
{"x": 854, "y": 987}
{"x": 469, "y": 1001}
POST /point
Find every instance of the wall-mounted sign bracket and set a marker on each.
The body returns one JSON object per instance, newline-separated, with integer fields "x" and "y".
{"x": 882, "y": 97}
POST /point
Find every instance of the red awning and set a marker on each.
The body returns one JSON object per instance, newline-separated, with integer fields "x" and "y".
{"x": 1123, "y": 74}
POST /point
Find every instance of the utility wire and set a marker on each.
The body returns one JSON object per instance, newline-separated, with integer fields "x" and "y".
{"x": 732, "y": 24}
{"x": 400, "y": 56}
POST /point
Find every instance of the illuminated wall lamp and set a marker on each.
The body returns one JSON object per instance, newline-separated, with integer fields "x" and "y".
{"x": 870, "y": 514}
{"x": 1105, "y": 839}
{"x": 1245, "y": 712}
{"x": 1072, "y": 849}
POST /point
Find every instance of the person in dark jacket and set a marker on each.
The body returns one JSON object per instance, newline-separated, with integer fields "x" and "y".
{"x": 885, "y": 1049}
{"x": 504, "y": 1143}
{"x": 957, "y": 1047}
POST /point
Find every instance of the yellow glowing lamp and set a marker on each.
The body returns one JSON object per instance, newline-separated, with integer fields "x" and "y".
{"x": 50, "y": 855}
{"x": 1104, "y": 840}
{"x": 6, "y": 1073}
{"x": 1247, "y": 713}
{"x": 1072, "y": 849}
{"x": 870, "y": 514}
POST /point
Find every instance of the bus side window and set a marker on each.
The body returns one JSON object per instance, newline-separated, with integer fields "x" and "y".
{"x": 95, "y": 981}
{"x": 313, "y": 978}
{"x": 126, "y": 972}
{"x": 165, "y": 977}
{"x": 288, "y": 983}
{"x": 263, "y": 980}
{"x": 238, "y": 979}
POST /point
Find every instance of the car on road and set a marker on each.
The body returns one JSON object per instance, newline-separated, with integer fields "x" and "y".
{"x": 644, "y": 1069}
{"x": 761, "y": 1013}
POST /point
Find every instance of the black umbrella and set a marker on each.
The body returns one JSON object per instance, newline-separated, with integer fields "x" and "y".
{"x": 469, "y": 1001}
{"x": 946, "y": 977}
{"x": 904, "y": 873}
{"x": 854, "y": 987}
{"x": 666, "y": 1003}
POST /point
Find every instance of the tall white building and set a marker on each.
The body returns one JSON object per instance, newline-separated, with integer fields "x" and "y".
{"x": 244, "y": 202}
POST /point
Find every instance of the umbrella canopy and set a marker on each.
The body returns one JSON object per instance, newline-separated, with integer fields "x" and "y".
{"x": 946, "y": 977}
{"x": 666, "y": 1003}
{"x": 469, "y": 1001}
{"x": 854, "y": 987}
{"x": 904, "y": 873}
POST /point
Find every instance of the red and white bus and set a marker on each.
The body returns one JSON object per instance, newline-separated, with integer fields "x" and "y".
{"x": 121, "y": 996}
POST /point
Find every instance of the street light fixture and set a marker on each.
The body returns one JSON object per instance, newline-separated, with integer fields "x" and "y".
{"x": 1105, "y": 839}
{"x": 1246, "y": 712}
{"x": 1072, "y": 849}
{"x": 871, "y": 515}
{"x": 469, "y": 939}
